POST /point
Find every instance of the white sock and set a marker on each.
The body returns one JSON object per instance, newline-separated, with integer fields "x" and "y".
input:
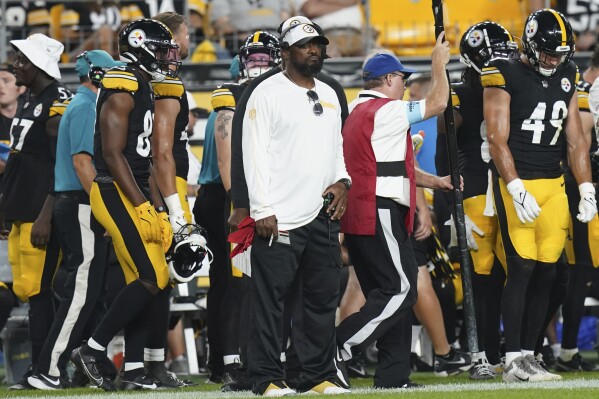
{"x": 510, "y": 357}
{"x": 478, "y": 356}
{"x": 153, "y": 355}
{"x": 231, "y": 359}
{"x": 133, "y": 366}
{"x": 556, "y": 348}
{"x": 567, "y": 354}
{"x": 94, "y": 345}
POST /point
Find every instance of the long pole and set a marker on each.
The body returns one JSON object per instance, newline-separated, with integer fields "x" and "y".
{"x": 458, "y": 203}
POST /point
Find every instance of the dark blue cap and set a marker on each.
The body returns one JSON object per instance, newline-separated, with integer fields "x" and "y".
{"x": 381, "y": 64}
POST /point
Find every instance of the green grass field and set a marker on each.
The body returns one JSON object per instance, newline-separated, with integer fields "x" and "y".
{"x": 574, "y": 386}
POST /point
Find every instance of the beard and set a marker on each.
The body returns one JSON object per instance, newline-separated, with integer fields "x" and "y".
{"x": 308, "y": 69}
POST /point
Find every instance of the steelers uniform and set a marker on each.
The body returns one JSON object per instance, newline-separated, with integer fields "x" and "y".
{"x": 473, "y": 156}
{"x": 28, "y": 179}
{"x": 138, "y": 258}
{"x": 582, "y": 244}
{"x": 538, "y": 109}
{"x": 211, "y": 210}
{"x": 174, "y": 89}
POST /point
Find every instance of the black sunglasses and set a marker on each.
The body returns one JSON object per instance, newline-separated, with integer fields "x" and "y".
{"x": 312, "y": 96}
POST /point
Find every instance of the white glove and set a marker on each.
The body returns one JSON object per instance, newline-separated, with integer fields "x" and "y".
{"x": 470, "y": 228}
{"x": 526, "y": 205}
{"x": 587, "y": 207}
{"x": 175, "y": 212}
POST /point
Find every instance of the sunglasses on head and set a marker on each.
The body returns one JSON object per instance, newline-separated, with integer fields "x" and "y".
{"x": 312, "y": 96}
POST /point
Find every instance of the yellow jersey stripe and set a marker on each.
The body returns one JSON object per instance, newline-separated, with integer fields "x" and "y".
{"x": 120, "y": 83}
{"x": 168, "y": 88}
{"x": 455, "y": 100}
{"x": 491, "y": 77}
{"x": 562, "y": 26}
{"x": 583, "y": 101}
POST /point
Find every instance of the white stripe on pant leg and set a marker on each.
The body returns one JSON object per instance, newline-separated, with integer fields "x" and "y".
{"x": 395, "y": 302}
{"x": 81, "y": 283}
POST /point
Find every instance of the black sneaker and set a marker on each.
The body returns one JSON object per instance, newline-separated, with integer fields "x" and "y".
{"x": 235, "y": 380}
{"x": 548, "y": 357}
{"x": 137, "y": 382}
{"x": 157, "y": 371}
{"x": 417, "y": 364}
{"x": 44, "y": 382}
{"x": 356, "y": 367}
{"x": 90, "y": 365}
{"x": 451, "y": 364}
{"x": 576, "y": 364}
{"x": 79, "y": 379}
{"x": 22, "y": 384}
{"x": 342, "y": 377}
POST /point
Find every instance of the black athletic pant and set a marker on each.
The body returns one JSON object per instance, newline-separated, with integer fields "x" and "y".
{"x": 84, "y": 250}
{"x": 386, "y": 268}
{"x": 209, "y": 211}
{"x": 313, "y": 256}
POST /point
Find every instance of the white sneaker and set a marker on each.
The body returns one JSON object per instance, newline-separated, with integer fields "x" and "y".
{"x": 278, "y": 389}
{"x": 481, "y": 370}
{"x": 517, "y": 371}
{"x": 541, "y": 373}
{"x": 328, "y": 388}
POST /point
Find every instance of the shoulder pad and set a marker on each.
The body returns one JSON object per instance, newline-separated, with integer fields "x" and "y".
{"x": 169, "y": 87}
{"x": 222, "y": 97}
{"x": 492, "y": 76}
{"x": 582, "y": 90}
{"x": 120, "y": 78}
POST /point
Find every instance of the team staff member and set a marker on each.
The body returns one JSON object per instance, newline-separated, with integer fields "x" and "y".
{"x": 380, "y": 211}
{"x": 292, "y": 144}
{"x": 527, "y": 103}
{"x": 170, "y": 167}
{"x": 28, "y": 200}
{"x": 120, "y": 192}
{"x": 81, "y": 236}
{"x": 479, "y": 44}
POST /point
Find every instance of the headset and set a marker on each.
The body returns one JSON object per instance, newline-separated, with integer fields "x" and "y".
{"x": 96, "y": 73}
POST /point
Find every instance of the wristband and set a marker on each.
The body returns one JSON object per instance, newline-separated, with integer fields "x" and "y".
{"x": 174, "y": 204}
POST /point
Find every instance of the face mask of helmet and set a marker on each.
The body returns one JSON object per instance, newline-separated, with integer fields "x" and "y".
{"x": 259, "y": 54}
{"x": 187, "y": 253}
{"x": 485, "y": 41}
{"x": 548, "y": 41}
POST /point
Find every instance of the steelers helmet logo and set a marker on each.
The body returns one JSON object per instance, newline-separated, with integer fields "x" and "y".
{"x": 531, "y": 28}
{"x": 475, "y": 38}
{"x": 137, "y": 38}
{"x": 294, "y": 22}
{"x": 566, "y": 85}
{"x": 38, "y": 110}
{"x": 308, "y": 29}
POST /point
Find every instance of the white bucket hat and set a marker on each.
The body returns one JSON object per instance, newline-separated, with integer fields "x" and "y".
{"x": 42, "y": 51}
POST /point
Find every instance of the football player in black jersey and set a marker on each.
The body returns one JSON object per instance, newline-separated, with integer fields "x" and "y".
{"x": 258, "y": 54}
{"x": 28, "y": 199}
{"x": 582, "y": 249}
{"x": 9, "y": 96}
{"x": 528, "y": 102}
{"x": 170, "y": 167}
{"x": 120, "y": 197}
{"x": 479, "y": 44}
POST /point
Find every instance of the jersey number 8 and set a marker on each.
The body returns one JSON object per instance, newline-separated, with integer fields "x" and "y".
{"x": 143, "y": 140}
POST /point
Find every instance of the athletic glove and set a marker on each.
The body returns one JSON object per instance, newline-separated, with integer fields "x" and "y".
{"x": 526, "y": 205}
{"x": 176, "y": 214}
{"x": 149, "y": 225}
{"x": 470, "y": 228}
{"x": 587, "y": 207}
{"x": 166, "y": 231}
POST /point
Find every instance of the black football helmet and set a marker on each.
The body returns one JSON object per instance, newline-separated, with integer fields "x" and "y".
{"x": 149, "y": 44}
{"x": 187, "y": 253}
{"x": 484, "y": 41}
{"x": 547, "y": 32}
{"x": 259, "y": 42}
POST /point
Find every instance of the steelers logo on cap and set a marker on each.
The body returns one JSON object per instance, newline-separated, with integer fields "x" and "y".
{"x": 137, "y": 38}
{"x": 531, "y": 28}
{"x": 308, "y": 29}
{"x": 475, "y": 38}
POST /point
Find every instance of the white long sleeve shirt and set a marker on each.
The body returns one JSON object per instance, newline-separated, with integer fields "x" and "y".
{"x": 391, "y": 124}
{"x": 291, "y": 155}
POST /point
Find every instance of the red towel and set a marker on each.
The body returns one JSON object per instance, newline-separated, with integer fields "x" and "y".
{"x": 243, "y": 237}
